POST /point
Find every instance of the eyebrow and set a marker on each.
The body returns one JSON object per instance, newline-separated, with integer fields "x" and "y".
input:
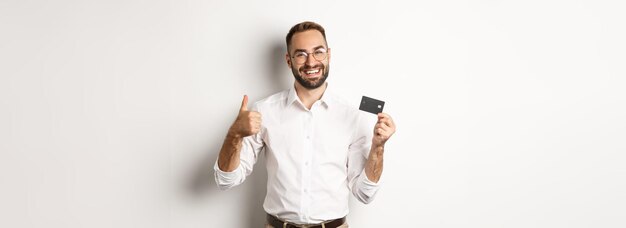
{"x": 304, "y": 50}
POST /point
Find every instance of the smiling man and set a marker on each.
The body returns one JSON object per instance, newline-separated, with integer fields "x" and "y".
{"x": 319, "y": 149}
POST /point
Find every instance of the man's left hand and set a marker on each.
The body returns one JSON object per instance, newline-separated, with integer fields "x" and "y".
{"x": 383, "y": 130}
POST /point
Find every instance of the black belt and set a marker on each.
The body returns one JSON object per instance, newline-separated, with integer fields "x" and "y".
{"x": 277, "y": 223}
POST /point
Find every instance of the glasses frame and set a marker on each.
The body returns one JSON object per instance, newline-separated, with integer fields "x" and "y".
{"x": 307, "y": 54}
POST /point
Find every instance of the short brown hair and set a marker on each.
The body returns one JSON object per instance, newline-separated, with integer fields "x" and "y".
{"x": 304, "y": 26}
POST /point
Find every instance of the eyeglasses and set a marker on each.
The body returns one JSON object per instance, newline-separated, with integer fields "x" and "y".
{"x": 300, "y": 56}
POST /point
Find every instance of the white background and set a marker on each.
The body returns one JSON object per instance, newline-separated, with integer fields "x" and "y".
{"x": 509, "y": 114}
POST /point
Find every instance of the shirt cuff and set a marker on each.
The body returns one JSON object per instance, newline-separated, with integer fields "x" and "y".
{"x": 368, "y": 182}
{"x": 225, "y": 179}
{"x": 366, "y": 189}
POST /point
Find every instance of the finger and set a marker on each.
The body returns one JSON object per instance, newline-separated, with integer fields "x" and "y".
{"x": 386, "y": 128}
{"x": 382, "y": 120}
{"x": 255, "y": 114}
{"x": 385, "y": 122}
{"x": 244, "y": 104}
{"x": 256, "y": 128}
{"x": 383, "y": 115}
{"x": 256, "y": 118}
{"x": 384, "y": 133}
{"x": 386, "y": 118}
{"x": 379, "y": 125}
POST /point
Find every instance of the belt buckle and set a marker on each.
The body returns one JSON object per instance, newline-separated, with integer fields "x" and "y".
{"x": 308, "y": 226}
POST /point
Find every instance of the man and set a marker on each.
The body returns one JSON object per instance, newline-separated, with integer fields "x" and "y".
{"x": 318, "y": 148}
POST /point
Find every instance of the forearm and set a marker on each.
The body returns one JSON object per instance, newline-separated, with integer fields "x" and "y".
{"x": 374, "y": 164}
{"x": 229, "y": 154}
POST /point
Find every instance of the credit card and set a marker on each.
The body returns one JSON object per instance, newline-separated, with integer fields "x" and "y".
{"x": 371, "y": 105}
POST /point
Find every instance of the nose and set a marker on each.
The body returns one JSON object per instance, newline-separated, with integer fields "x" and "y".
{"x": 310, "y": 60}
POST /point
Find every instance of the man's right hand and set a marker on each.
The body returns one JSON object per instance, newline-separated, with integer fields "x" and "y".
{"x": 247, "y": 122}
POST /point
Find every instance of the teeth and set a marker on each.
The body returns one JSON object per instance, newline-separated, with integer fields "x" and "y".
{"x": 312, "y": 71}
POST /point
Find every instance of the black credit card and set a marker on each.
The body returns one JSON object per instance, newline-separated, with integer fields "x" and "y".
{"x": 371, "y": 105}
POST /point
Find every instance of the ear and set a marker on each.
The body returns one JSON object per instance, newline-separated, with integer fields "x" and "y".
{"x": 288, "y": 60}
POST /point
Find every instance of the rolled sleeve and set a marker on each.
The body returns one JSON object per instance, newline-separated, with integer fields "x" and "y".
{"x": 362, "y": 188}
{"x": 365, "y": 190}
{"x": 227, "y": 180}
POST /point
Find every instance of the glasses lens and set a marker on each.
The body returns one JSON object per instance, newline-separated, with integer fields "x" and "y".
{"x": 320, "y": 55}
{"x": 300, "y": 57}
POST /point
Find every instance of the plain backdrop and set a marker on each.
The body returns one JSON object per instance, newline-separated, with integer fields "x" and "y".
{"x": 509, "y": 113}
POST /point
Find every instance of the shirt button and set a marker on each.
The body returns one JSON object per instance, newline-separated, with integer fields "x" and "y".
{"x": 305, "y": 191}
{"x": 306, "y": 163}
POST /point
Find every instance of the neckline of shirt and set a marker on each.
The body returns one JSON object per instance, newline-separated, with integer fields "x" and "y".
{"x": 326, "y": 99}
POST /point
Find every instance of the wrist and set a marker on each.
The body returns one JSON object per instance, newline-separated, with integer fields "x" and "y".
{"x": 377, "y": 150}
{"x": 233, "y": 135}
{"x": 378, "y": 145}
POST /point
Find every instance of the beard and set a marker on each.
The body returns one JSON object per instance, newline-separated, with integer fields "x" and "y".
{"x": 308, "y": 83}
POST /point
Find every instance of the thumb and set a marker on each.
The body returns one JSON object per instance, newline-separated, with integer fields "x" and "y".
{"x": 244, "y": 103}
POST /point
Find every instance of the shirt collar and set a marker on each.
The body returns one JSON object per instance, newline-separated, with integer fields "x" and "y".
{"x": 326, "y": 99}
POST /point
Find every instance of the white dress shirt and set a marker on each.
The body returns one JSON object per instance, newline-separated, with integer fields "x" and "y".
{"x": 314, "y": 158}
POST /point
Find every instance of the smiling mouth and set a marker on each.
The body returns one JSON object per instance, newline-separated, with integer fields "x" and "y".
{"x": 312, "y": 72}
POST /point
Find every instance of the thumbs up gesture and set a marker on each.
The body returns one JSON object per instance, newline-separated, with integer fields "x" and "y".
{"x": 247, "y": 122}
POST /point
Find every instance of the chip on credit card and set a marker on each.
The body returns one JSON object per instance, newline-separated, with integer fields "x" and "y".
{"x": 371, "y": 105}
